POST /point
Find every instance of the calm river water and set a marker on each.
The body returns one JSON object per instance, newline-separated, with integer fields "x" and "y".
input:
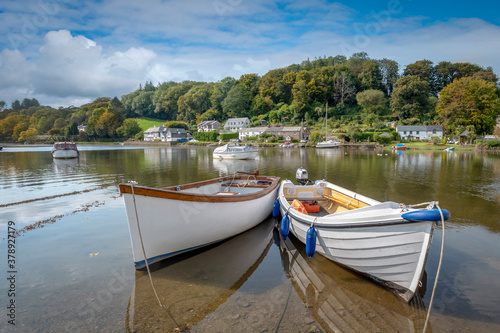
{"x": 72, "y": 262}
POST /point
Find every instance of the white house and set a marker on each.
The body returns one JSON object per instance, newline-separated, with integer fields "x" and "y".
{"x": 419, "y": 133}
{"x": 235, "y": 124}
{"x": 175, "y": 134}
{"x": 154, "y": 133}
{"x": 165, "y": 134}
{"x": 208, "y": 126}
{"x": 251, "y": 131}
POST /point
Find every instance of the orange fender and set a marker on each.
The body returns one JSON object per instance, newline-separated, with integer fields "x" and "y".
{"x": 299, "y": 206}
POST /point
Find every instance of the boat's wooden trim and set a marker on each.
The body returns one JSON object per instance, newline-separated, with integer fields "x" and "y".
{"x": 174, "y": 193}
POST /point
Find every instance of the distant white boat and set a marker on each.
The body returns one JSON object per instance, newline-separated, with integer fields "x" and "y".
{"x": 64, "y": 150}
{"x": 233, "y": 151}
{"x": 327, "y": 143}
{"x": 385, "y": 241}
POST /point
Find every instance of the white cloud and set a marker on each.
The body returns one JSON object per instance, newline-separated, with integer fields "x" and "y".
{"x": 196, "y": 40}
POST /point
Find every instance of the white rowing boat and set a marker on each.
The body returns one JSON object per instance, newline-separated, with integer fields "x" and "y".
{"x": 386, "y": 241}
{"x": 176, "y": 219}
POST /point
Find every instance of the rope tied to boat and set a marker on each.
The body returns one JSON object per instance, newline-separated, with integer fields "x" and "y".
{"x": 132, "y": 183}
{"x": 430, "y": 205}
{"x": 439, "y": 267}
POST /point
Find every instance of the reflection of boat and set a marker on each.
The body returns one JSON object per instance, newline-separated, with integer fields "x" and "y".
{"x": 195, "y": 284}
{"x": 287, "y": 145}
{"x": 65, "y": 166}
{"x": 230, "y": 167}
{"x": 64, "y": 150}
{"x": 327, "y": 143}
{"x": 399, "y": 146}
{"x": 449, "y": 149}
{"x": 340, "y": 305}
{"x": 387, "y": 242}
{"x": 233, "y": 151}
{"x": 176, "y": 219}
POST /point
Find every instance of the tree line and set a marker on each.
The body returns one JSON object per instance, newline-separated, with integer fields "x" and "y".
{"x": 359, "y": 91}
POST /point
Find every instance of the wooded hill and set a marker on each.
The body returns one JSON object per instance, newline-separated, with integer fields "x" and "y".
{"x": 358, "y": 90}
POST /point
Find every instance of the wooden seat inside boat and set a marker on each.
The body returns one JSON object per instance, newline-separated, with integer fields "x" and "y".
{"x": 329, "y": 200}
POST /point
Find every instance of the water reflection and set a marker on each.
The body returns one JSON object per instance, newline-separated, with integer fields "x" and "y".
{"x": 341, "y": 304}
{"x": 194, "y": 285}
{"x": 229, "y": 167}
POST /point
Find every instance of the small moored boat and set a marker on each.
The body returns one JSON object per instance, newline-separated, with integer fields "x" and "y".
{"x": 385, "y": 241}
{"x": 65, "y": 150}
{"x": 399, "y": 147}
{"x": 176, "y": 219}
{"x": 233, "y": 151}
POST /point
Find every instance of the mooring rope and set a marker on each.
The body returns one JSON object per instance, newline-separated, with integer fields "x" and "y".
{"x": 438, "y": 270}
{"x": 132, "y": 183}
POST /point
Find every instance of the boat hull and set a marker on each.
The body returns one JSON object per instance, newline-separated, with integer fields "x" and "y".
{"x": 250, "y": 155}
{"x": 64, "y": 150}
{"x": 172, "y": 223}
{"x": 328, "y": 144}
{"x": 374, "y": 241}
{"x": 65, "y": 153}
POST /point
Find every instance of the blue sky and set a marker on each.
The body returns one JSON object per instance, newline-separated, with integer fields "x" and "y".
{"x": 66, "y": 52}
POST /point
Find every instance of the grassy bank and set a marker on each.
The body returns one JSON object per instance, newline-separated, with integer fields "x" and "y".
{"x": 426, "y": 146}
{"x": 146, "y": 123}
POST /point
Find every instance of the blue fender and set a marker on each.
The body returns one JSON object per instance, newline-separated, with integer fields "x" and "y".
{"x": 276, "y": 208}
{"x": 311, "y": 241}
{"x": 285, "y": 226}
{"x": 426, "y": 215}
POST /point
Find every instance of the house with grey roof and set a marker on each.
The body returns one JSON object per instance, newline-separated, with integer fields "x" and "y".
{"x": 208, "y": 126}
{"x": 419, "y": 133}
{"x": 235, "y": 124}
{"x": 287, "y": 133}
{"x": 165, "y": 134}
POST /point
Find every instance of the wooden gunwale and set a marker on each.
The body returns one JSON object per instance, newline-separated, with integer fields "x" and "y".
{"x": 173, "y": 194}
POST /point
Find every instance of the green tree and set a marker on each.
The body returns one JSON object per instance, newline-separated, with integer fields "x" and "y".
{"x": 194, "y": 102}
{"x": 220, "y": 90}
{"x": 410, "y": 98}
{"x": 129, "y": 128}
{"x": 166, "y": 99}
{"x": 469, "y": 102}
{"x": 425, "y": 71}
{"x": 177, "y": 124}
{"x": 389, "y": 70}
{"x": 372, "y": 101}
{"x": 370, "y": 76}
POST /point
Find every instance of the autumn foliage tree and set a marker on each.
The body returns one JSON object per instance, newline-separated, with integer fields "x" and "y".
{"x": 469, "y": 102}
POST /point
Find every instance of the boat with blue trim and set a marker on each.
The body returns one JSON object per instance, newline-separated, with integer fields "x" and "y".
{"x": 385, "y": 241}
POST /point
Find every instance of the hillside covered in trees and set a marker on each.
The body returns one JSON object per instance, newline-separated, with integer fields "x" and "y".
{"x": 360, "y": 92}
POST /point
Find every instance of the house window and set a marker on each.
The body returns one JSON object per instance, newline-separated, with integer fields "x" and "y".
{"x": 411, "y": 132}
{"x": 434, "y": 131}
{"x": 418, "y": 132}
{"x": 404, "y": 132}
